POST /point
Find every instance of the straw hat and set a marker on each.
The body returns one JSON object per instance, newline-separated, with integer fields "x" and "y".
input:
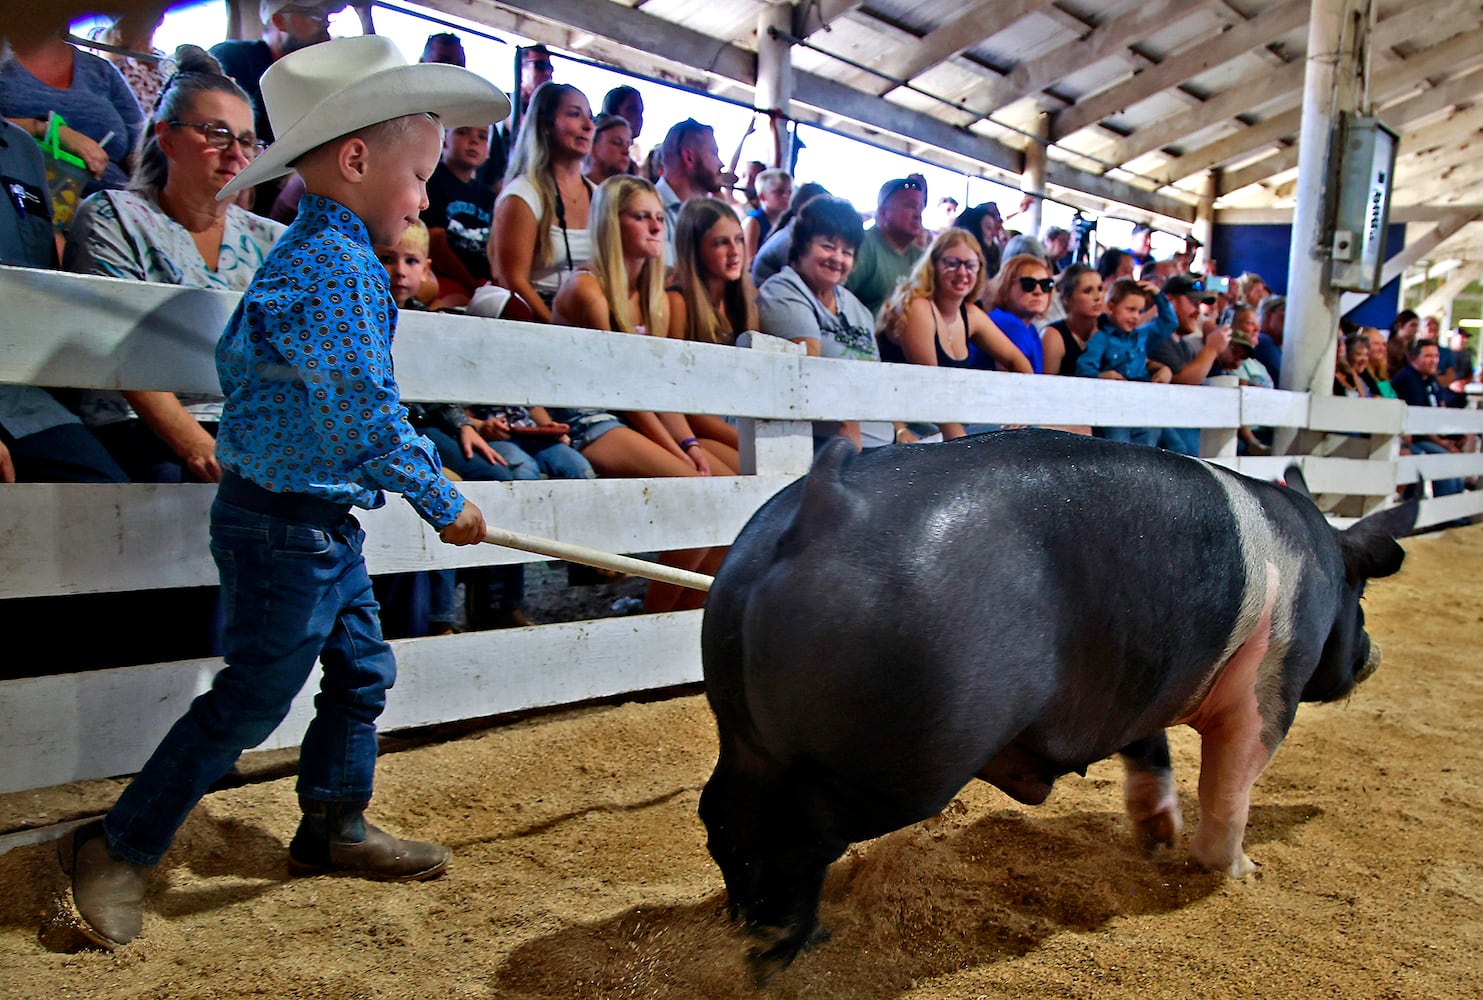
{"x": 324, "y": 91}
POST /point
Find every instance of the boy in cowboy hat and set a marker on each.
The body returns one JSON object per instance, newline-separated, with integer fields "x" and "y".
{"x": 312, "y": 427}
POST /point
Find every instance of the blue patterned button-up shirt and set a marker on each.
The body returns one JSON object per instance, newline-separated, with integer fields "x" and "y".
{"x": 305, "y": 365}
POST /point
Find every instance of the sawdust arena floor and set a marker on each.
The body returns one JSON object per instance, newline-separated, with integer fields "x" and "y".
{"x": 580, "y": 867}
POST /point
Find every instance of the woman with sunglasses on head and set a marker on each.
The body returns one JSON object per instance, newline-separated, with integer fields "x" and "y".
{"x": 933, "y": 319}
{"x": 622, "y": 290}
{"x": 539, "y": 236}
{"x": 169, "y": 227}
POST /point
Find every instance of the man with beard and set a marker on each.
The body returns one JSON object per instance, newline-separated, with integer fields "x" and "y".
{"x": 692, "y": 167}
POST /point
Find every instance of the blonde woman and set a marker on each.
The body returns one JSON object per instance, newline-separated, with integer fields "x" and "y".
{"x": 622, "y": 290}
{"x": 539, "y": 234}
{"x": 933, "y": 319}
{"x": 712, "y": 298}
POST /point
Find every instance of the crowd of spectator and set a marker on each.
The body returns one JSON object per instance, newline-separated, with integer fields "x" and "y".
{"x": 556, "y": 216}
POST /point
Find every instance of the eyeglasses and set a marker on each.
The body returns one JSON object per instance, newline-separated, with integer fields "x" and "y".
{"x": 544, "y": 65}
{"x": 222, "y": 138}
{"x": 969, "y": 264}
{"x": 1028, "y": 285}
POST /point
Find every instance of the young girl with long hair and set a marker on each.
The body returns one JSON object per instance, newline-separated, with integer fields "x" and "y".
{"x": 622, "y": 290}
{"x": 932, "y": 318}
{"x": 712, "y": 298}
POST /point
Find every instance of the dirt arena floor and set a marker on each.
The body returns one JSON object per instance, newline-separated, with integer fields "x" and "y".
{"x": 581, "y": 870}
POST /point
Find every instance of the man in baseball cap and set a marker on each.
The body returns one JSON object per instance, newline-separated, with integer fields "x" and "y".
{"x": 890, "y": 248}
{"x": 1190, "y": 352}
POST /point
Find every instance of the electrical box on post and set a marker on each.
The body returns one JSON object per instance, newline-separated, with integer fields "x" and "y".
{"x": 1367, "y": 150}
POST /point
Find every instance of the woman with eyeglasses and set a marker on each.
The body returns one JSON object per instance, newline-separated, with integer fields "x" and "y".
{"x": 169, "y": 227}
{"x": 540, "y": 236}
{"x": 1022, "y": 297}
{"x": 933, "y": 319}
{"x": 622, "y": 290}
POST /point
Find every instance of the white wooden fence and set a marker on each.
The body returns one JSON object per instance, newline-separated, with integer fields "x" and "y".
{"x": 66, "y": 330}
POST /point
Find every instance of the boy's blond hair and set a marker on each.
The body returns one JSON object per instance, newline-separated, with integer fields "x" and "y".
{"x": 416, "y": 238}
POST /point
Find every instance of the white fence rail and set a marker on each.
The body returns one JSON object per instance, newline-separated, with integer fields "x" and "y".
{"x": 66, "y": 330}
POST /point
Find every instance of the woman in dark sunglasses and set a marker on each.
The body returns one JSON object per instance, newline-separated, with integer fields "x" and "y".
{"x": 1023, "y": 296}
{"x": 169, "y": 227}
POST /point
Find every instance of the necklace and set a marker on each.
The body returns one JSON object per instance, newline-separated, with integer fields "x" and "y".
{"x": 946, "y": 341}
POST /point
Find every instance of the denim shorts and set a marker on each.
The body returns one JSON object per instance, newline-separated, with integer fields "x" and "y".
{"x": 588, "y": 429}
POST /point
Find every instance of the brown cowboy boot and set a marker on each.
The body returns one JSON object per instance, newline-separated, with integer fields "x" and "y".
{"x": 335, "y": 837}
{"x": 107, "y": 892}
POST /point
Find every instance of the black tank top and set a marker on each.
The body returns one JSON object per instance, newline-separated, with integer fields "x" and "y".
{"x": 892, "y": 352}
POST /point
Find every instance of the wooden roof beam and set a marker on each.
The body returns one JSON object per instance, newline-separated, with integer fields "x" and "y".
{"x": 811, "y": 17}
{"x": 1421, "y": 65}
{"x": 1111, "y": 37}
{"x": 1451, "y": 288}
{"x": 1263, "y": 29}
{"x": 980, "y": 21}
{"x": 1285, "y": 83}
{"x": 1461, "y": 122}
{"x": 649, "y": 36}
{"x": 1469, "y": 86}
{"x": 1450, "y": 188}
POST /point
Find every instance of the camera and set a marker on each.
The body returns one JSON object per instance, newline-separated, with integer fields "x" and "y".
{"x": 1218, "y": 285}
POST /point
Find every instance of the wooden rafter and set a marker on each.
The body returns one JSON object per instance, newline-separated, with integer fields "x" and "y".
{"x": 1281, "y": 86}
{"x": 817, "y": 15}
{"x": 1191, "y": 61}
{"x": 1285, "y": 125}
{"x": 981, "y": 20}
{"x": 1110, "y": 38}
{"x": 1417, "y": 106}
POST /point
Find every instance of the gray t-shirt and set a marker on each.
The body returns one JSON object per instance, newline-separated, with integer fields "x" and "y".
{"x": 787, "y": 307}
{"x": 1175, "y": 351}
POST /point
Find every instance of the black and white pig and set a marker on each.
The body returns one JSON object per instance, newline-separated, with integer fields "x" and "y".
{"x": 1012, "y": 607}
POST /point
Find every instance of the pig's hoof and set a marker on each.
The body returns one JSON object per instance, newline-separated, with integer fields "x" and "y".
{"x": 777, "y": 948}
{"x": 1239, "y": 866}
{"x": 1158, "y": 830}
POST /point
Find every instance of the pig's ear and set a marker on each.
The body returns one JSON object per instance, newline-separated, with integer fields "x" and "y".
{"x": 1293, "y": 480}
{"x": 1370, "y": 547}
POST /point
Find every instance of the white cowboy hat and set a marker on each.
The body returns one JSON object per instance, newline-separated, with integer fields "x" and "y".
{"x": 324, "y": 91}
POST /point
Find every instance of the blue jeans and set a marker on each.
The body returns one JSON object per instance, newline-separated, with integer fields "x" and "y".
{"x": 552, "y": 459}
{"x": 1440, "y": 487}
{"x": 294, "y": 592}
{"x": 1134, "y": 435}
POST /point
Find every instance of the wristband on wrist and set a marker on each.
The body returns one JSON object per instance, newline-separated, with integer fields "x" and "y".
{"x": 689, "y": 443}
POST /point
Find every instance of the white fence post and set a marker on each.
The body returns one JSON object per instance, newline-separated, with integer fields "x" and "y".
{"x": 774, "y": 447}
